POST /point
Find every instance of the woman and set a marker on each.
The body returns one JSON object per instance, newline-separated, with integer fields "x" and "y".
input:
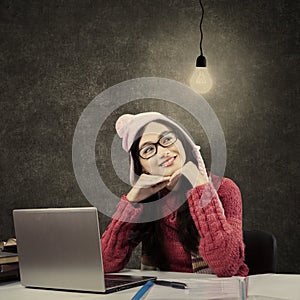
{"x": 194, "y": 228}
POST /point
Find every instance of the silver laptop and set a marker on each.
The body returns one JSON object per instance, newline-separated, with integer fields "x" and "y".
{"x": 60, "y": 248}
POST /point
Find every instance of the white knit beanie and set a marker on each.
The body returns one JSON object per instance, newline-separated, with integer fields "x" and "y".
{"x": 128, "y": 125}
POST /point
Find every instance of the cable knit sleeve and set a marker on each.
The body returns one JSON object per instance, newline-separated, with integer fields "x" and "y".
{"x": 219, "y": 224}
{"x": 115, "y": 242}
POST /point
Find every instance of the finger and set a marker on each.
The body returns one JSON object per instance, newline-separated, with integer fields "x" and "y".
{"x": 159, "y": 186}
{"x": 162, "y": 182}
{"x": 175, "y": 175}
{"x": 174, "y": 181}
{"x": 153, "y": 180}
{"x": 157, "y": 178}
{"x": 150, "y": 182}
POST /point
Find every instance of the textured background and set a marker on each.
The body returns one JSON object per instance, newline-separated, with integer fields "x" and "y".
{"x": 56, "y": 56}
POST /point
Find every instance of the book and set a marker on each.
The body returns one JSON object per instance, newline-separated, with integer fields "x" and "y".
{"x": 233, "y": 288}
{"x": 9, "y": 272}
{"x": 8, "y": 251}
{"x": 254, "y": 287}
{"x": 9, "y": 267}
{"x": 9, "y": 246}
{"x": 274, "y": 286}
{"x": 9, "y": 260}
{"x": 8, "y": 257}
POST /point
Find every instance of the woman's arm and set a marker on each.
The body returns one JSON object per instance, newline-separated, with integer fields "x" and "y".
{"x": 219, "y": 224}
{"x": 115, "y": 242}
{"x": 120, "y": 238}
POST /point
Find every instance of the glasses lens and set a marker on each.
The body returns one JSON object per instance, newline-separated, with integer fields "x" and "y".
{"x": 168, "y": 139}
{"x": 147, "y": 151}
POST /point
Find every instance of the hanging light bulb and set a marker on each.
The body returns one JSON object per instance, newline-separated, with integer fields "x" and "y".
{"x": 200, "y": 80}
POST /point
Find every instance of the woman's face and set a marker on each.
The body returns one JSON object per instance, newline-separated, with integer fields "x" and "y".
{"x": 168, "y": 159}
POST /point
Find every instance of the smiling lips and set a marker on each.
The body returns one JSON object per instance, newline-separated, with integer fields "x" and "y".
{"x": 168, "y": 162}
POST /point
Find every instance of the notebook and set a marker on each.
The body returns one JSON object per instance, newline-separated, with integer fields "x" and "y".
{"x": 60, "y": 248}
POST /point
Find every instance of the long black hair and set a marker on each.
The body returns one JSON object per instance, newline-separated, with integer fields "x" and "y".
{"x": 150, "y": 233}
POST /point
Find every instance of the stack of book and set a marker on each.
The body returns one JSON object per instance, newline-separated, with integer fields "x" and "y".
{"x": 9, "y": 261}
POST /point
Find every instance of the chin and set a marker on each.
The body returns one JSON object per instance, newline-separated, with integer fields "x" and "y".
{"x": 170, "y": 171}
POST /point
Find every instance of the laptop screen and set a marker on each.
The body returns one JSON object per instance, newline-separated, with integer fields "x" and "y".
{"x": 60, "y": 248}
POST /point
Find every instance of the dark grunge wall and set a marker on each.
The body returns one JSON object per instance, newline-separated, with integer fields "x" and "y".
{"x": 56, "y": 56}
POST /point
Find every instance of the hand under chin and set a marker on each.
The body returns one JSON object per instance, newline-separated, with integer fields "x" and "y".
{"x": 172, "y": 186}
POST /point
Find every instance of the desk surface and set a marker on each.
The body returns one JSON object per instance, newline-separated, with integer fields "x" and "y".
{"x": 263, "y": 285}
{"x": 15, "y": 291}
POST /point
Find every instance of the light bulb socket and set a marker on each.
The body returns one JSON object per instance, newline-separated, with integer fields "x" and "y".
{"x": 201, "y": 61}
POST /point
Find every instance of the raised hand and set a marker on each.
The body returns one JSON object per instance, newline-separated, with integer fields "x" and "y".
{"x": 192, "y": 174}
{"x": 146, "y": 186}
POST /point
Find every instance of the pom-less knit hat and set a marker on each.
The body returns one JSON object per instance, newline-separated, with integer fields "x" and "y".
{"x": 127, "y": 127}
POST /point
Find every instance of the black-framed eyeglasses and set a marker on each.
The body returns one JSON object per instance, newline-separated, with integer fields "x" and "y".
{"x": 150, "y": 149}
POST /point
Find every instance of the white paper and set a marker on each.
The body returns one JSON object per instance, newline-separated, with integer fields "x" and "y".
{"x": 210, "y": 288}
{"x": 274, "y": 286}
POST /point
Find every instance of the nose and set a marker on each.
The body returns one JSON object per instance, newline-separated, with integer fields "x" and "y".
{"x": 162, "y": 151}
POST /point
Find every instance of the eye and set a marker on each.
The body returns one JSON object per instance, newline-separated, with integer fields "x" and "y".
{"x": 167, "y": 139}
{"x": 148, "y": 150}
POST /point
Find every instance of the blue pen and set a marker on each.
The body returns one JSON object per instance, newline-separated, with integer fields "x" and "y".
{"x": 143, "y": 290}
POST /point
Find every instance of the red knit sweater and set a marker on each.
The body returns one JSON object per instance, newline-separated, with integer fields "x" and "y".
{"x": 221, "y": 239}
